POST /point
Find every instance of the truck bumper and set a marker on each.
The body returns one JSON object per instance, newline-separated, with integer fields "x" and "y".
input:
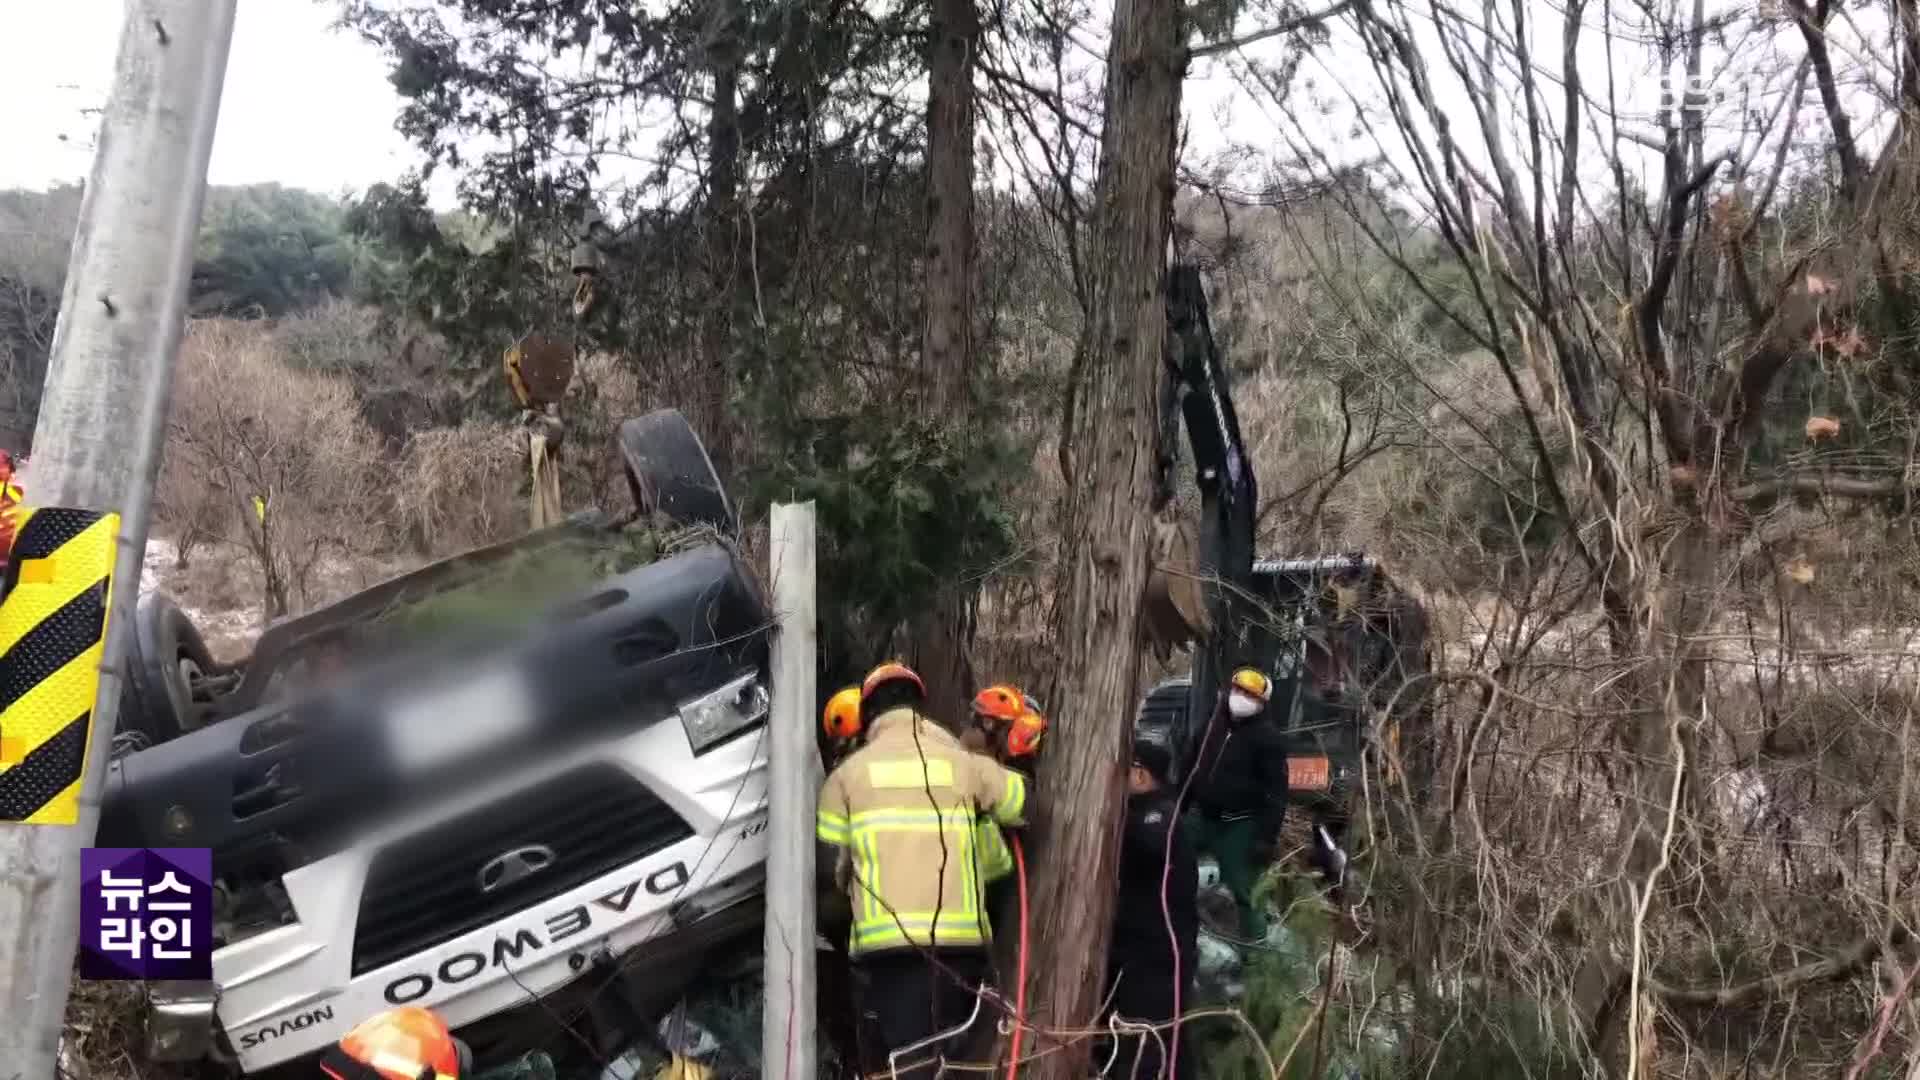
{"x": 179, "y": 1020}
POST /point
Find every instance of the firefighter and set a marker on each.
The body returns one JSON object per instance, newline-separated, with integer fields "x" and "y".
{"x": 899, "y": 817}
{"x": 1008, "y": 725}
{"x": 1240, "y": 792}
{"x": 1159, "y": 880}
{"x": 407, "y": 1043}
{"x": 994, "y": 711}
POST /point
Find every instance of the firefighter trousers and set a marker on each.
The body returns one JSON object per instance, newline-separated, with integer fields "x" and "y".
{"x": 907, "y": 996}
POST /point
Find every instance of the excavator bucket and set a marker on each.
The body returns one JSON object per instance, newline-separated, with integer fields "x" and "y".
{"x": 1176, "y": 606}
{"x": 538, "y": 369}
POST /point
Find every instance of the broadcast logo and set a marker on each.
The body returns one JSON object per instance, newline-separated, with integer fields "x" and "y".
{"x": 146, "y": 913}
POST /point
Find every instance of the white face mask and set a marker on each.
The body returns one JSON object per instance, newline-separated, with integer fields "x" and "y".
{"x": 1242, "y": 706}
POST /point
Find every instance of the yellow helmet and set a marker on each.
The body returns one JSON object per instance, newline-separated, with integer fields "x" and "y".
{"x": 841, "y": 718}
{"x": 1253, "y": 683}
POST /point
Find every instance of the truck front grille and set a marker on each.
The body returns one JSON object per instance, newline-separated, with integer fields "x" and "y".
{"x": 427, "y": 889}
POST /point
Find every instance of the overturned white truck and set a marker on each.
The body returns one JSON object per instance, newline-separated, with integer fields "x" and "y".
{"x": 551, "y": 819}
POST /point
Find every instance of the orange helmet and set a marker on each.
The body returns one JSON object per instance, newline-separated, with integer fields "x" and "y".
{"x": 891, "y": 671}
{"x": 841, "y": 718}
{"x": 10, "y": 498}
{"x": 1002, "y": 704}
{"x": 1023, "y": 737}
{"x": 407, "y": 1043}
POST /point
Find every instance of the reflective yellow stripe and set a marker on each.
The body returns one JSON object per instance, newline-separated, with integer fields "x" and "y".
{"x": 831, "y": 828}
{"x": 951, "y": 816}
{"x": 996, "y": 860}
{"x": 962, "y": 922}
{"x": 915, "y": 928}
{"x": 910, "y": 773}
{"x": 1013, "y": 803}
{"x": 869, "y": 875}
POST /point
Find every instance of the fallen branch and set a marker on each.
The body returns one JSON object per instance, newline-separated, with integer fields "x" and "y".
{"x": 1845, "y": 487}
{"x": 1847, "y": 962}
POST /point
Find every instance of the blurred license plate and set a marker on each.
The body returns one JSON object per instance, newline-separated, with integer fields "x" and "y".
{"x": 1307, "y": 774}
{"x": 431, "y": 728}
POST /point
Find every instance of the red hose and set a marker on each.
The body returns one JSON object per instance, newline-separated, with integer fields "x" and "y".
{"x": 1020, "y": 992}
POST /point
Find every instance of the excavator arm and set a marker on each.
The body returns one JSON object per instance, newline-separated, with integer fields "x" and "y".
{"x": 1211, "y": 605}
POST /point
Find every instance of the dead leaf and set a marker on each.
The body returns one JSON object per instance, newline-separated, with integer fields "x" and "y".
{"x": 1851, "y": 343}
{"x": 1729, "y": 216}
{"x": 1822, "y": 427}
{"x": 1800, "y": 570}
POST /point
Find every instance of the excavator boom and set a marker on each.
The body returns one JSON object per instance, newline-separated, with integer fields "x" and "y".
{"x": 1210, "y": 606}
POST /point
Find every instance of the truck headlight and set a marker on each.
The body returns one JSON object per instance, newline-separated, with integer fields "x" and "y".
{"x": 714, "y": 718}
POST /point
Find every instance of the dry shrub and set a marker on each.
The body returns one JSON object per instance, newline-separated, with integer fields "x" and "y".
{"x": 460, "y": 488}
{"x": 246, "y": 427}
{"x": 103, "y": 1033}
{"x": 606, "y": 391}
{"x": 334, "y": 337}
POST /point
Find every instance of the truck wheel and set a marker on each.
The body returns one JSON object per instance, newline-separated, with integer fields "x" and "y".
{"x": 166, "y": 655}
{"x": 1161, "y": 718}
{"x": 669, "y": 472}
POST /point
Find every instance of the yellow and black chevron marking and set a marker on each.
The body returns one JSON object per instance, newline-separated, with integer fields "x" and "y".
{"x": 52, "y": 630}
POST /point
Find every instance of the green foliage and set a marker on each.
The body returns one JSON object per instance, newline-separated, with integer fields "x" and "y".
{"x": 905, "y": 509}
{"x": 263, "y": 250}
{"x": 1483, "y": 1035}
{"x": 267, "y": 250}
{"x": 522, "y": 587}
{"x": 481, "y": 289}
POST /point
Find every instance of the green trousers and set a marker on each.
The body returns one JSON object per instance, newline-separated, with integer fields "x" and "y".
{"x": 1231, "y": 843}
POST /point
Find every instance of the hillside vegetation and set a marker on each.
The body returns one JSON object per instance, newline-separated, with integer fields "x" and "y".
{"x": 1628, "y": 398}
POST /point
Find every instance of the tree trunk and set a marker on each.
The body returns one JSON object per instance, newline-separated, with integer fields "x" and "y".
{"x": 948, "y": 344}
{"x": 713, "y": 384}
{"x": 941, "y": 635}
{"x": 1110, "y": 529}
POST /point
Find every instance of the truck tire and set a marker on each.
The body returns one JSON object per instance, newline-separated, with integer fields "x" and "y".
{"x": 165, "y": 655}
{"x": 669, "y": 472}
{"x": 1160, "y": 719}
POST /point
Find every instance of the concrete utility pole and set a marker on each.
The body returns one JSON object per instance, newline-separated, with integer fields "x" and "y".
{"x": 97, "y": 446}
{"x": 787, "y": 1026}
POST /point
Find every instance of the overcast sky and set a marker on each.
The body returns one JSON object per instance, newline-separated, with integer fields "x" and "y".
{"x": 303, "y": 105}
{"x": 310, "y": 107}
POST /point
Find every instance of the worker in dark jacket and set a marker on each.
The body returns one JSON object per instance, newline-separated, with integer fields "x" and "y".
{"x": 1158, "y": 880}
{"x": 1240, "y": 791}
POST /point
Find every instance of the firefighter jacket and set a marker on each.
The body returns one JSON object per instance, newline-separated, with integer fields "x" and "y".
{"x": 996, "y": 858}
{"x": 905, "y": 812}
{"x": 1242, "y": 772}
